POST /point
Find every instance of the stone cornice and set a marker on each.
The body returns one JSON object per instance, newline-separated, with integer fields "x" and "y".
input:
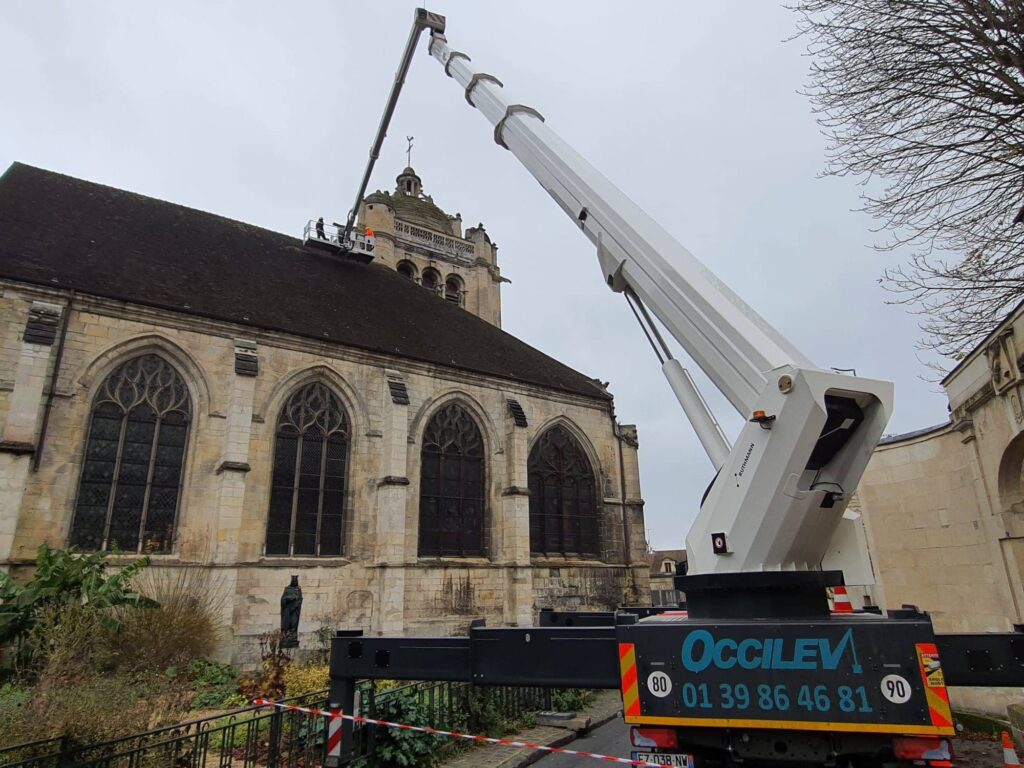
{"x": 17, "y": 447}
{"x": 233, "y": 466}
{"x": 180, "y": 320}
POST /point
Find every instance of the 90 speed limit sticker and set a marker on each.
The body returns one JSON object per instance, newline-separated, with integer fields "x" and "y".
{"x": 896, "y": 689}
{"x": 659, "y": 684}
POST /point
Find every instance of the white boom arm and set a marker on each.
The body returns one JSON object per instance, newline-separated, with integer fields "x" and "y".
{"x": 781, "y": 490}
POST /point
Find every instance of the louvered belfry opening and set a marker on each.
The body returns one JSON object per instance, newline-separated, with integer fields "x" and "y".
{"x": 129, "y": 490}
{"x": 452, "y": 486}
{"x": 307, "y": 497}
{"x": 563, "y": 497}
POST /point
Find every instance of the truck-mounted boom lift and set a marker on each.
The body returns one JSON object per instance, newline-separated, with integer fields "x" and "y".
{"x": 758, "y": 670}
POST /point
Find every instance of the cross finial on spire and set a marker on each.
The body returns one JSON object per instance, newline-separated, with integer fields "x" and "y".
{"x": 408, "y": 151}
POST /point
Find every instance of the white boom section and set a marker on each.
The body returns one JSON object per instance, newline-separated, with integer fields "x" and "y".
{"x": 776, "y": 503}
{"x": 730, "y": 342}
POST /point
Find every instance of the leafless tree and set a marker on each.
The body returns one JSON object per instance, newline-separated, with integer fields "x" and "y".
{"x": 924, "y": 99}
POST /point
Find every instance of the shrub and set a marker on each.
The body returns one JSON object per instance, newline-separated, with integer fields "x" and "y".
{"x": 570, "y": 699}
{"x": 82, "y": 711}
{"x": 485, "y": 715}
{"x": 300, "y": 679}
{"x": 185, "y": 626}
{"x": 68, "y": 642}
{"x": 215, "y": 685}
{"x": 397, "y": 748}
{"x": 63, "y": 577}
{"x": 268, "y": 680}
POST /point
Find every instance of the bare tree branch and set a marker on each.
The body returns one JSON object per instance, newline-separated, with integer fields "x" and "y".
{"x": 927, "y": 96}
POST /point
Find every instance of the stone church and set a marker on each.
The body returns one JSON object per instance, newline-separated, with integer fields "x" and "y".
{"x": 217, "y": 395}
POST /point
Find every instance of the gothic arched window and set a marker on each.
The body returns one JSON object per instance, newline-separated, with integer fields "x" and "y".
{"x": 307, "y": 496}
{"x": 131, "y": 475}
{"x": 563, "y": 497}
{"x": 452, "y": 485}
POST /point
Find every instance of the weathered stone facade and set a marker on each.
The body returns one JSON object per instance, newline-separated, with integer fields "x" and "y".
{"x": 943, "y": 506}
{"x": 426, "y": 244}
{"x": 380, "y": 583}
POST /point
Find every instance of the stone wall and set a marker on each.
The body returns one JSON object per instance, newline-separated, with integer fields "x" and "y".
{"x": 478, "y": 271}
{"x": 932, "y": 543}
{"x": 943, "y": 507}
{"x": 379, "y": 584}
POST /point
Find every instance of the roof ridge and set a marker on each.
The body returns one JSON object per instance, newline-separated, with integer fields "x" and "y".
{"x": 143, "y": 196}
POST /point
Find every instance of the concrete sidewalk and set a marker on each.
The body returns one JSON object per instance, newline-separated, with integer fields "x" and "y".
{"x": 606, "y": 706}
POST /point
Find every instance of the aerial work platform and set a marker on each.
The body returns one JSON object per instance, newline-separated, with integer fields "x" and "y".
{"x": 331, "y": 237}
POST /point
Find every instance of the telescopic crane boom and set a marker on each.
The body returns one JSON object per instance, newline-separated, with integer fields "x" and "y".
{"x": 781, "y": 490}
{"x": 758, "y": 668}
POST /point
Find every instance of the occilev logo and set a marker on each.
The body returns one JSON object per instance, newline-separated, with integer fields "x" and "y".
{"x": 702, "y": 650}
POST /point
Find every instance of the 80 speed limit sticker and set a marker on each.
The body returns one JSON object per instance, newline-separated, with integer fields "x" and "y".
{"x": 659, "y": 684}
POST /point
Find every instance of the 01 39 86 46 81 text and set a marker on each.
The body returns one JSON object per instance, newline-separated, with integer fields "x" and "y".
{"x": 776, "y": 698}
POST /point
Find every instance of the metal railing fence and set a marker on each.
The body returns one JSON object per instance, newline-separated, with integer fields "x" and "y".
{"x": 254, "y": 737}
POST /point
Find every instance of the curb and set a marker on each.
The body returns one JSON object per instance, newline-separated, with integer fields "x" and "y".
{"x": 531, "y": 757}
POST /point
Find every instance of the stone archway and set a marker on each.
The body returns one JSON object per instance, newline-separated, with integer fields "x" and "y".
{"x": 1011, "y": 476}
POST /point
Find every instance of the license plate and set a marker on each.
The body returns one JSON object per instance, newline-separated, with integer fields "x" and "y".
{"x": 675, "y": 759}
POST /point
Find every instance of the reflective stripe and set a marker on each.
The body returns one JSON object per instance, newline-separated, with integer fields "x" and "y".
{"x": 334, "y": 734}
{"x": 935, "y": 687}
{"x": 630, "y": 684}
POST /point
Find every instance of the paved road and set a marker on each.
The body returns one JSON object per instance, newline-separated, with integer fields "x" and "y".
{"x": 612, "y": 738}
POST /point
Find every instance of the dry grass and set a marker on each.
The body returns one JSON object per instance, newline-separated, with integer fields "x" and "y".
{"x": 186, "y": 626}
{"x": 105, "y": 673}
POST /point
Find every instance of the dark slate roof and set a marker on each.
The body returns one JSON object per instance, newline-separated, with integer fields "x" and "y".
{"x": 62, "y": 232}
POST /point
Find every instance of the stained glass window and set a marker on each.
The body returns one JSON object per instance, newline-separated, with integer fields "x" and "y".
{"x": 452, "y": 486}
{"x": 563, "y": 497}
{"x": 131, "y": 476}
{"x": 307, "y": 496}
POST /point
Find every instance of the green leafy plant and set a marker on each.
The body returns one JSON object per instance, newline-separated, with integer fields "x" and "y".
{"x": 571, "y": 699}
{"x": 216, "y": 685}
{"x": 302, "y": 679}
{"x": 63, "y": 576}
{"x": 399, "y": 748}
{"x": 485, "y": 714}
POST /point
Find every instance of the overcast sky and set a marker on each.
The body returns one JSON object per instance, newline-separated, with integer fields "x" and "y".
{"x": 264, "y": 111}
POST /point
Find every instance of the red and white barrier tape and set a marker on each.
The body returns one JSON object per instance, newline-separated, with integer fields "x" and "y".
{"x": 451, "y": 734}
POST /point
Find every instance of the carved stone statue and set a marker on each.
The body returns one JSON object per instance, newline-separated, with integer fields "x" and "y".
{"x": 291, "y": 607}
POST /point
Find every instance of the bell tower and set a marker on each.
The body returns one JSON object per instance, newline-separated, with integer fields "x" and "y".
{"x": 424, "y": 244}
